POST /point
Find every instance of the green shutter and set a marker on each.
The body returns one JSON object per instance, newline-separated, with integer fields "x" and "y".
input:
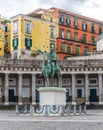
{"x": 86, "y": 51}
{"x": 100, "y": 30}
{"x": 84, "y": 39}
{"x": 25, "y": 41}
{"x": 15, "y": 42}
{"x": 63, "y": 48}
{"x": 69, "y": 49}
{"x": 6, "y": 28}
{"x": 92, "y": 28}
{"x": 30, "y": 42}
{"x": 86, "y": 27}
{"x": 61, "y": 19}
{"x": 67, "y": 21}
{"x": 77, "y": 50}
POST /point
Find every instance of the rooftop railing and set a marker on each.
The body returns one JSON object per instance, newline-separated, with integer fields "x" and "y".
{"x": 62, "y": 63}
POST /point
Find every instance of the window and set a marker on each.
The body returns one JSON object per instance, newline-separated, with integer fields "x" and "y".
{"x": 39, "y": 82}
{"x": 84, "y": 26}
{"x": 92, "y": 28}
{"x": 79, "y": 93}
{"x": 28, "y": 43}
{"x": 6, "y": 28}
{"x": 92, "y": 40}
{"x": 28, "y": 27}
{"x": 26, "y": 81}
{"x": 77, "y": 50}
{"x": 65, "y": 81}
{"x": 100, "y": 30}
{"x": 76, "y": 36}
{"x": 68, "y": 34}
{"x": 15, "y": 27}
{"x": 61, "y": 20}
{"x": 69, "y": 49}
{"x": 79, "y": 81}
{"x": 84, "y": 38}
{"x": 52, "y": 32}
{"x": 93, "y": 81}
{"x": 25, "y": 92}
{"x": 15, "y": 43}
{"x": 75, "y": 23}
{"x": 61, "y": 33}
{"x": 52, "y": 45}
{"x": 63, "y": 47}
{"x": 12, "y": 81}
{"x": 6, "y": 42}
{"x": 86, "y": 51}
{"x": 68, "y": 21}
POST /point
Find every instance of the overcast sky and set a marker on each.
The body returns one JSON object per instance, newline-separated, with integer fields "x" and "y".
{"x": 90, "y": 8}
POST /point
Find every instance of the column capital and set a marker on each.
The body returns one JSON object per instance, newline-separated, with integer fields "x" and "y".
{"x": 6, "y": 73}
{"x": 20, "y": 74}
{"x": 73, "y": 74}
{"x": 33, "y": 74}
{"x": 86, "y": 73}
{"x": 100, "y": 74}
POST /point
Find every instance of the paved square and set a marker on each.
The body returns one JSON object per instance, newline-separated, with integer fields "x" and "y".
{"x": 92, "y": 121}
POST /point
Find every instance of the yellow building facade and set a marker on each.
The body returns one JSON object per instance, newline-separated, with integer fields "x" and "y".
{"x": 2, "y": 36}
{"x": 29, "y": 33}
{"x": 7, "y": 43}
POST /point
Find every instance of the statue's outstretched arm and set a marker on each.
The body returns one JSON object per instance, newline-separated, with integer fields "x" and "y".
{"x": 39, "y": 50}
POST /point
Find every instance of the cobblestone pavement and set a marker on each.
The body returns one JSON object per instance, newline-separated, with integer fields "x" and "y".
{"x": 92, "y": 121}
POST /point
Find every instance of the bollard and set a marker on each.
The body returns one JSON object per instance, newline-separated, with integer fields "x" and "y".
{"x": 80, "y": 109}
{"x": 74, "y": 109}
{"x": 31, "y": 110}
{"x": 17, "y": 109}
{"x": 46, "y": 110}
{"x": 61, "y": 110}
{"x": 85, "y": 110}
{"x": 68, "y": 109}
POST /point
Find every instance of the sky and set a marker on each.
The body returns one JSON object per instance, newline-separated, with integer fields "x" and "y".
{"x": 90, "y": 8}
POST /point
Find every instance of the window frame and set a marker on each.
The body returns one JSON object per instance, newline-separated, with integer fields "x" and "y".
{"x": 15, "y": 27}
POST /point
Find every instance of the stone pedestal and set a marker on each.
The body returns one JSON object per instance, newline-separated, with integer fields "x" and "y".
{"x": 52, "y": 96}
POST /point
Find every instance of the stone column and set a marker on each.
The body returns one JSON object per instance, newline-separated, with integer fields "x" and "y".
{"x": 33, "y": 89}
{"x": 100, "y": 89}
{"x": 73, "y": 89}
{"x": 86, "y": 89}
{"x": 6, "y": 89}
{"x": 20, "y": 89}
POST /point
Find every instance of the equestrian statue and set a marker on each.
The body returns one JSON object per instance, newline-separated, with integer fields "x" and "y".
{"x": 50, "y": 68}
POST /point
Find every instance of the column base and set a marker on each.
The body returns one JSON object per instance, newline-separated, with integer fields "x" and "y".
{"x": 6, "y": 103}
{"x": 73, "y": 103}
{"x": 100, "y": 103}
{"x": 20, "y": 103}
{"x": 87, "y": 103}
{"x": 33, "y": 103}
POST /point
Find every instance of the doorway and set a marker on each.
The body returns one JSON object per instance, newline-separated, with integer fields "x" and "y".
{"x": 11, "y": 95}
{"x": 79, "y": 93}
{"x": 93, "y": 95}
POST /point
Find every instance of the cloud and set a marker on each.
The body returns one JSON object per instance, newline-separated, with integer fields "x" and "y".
{"x": 90, "y": 8}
